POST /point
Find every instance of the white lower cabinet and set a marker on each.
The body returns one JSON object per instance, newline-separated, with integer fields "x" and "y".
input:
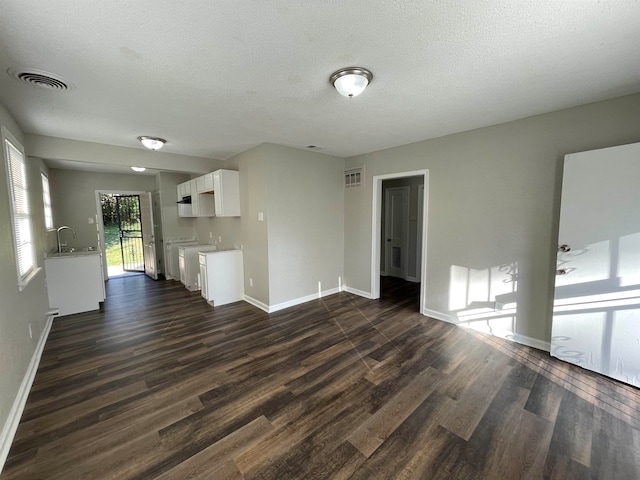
{"x": 188, "y": 264}
{"x": 75, "y": 283}
{"x": 222, "y": 276}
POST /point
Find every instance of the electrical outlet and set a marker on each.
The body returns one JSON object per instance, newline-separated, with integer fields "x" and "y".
{"x": 219, "y": 238}
{"x": 30, "y": 332}
{"x": 251, "y": 282}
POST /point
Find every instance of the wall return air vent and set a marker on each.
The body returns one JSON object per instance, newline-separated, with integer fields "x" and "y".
{"x": 354, "y": 177}
{"x": 39, "y": 78}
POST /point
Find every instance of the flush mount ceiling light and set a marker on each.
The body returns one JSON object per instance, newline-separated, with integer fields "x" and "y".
{"x": 152, "y": 143}
{"x": 351, "y": 82}
{"x": 138, "y": 169}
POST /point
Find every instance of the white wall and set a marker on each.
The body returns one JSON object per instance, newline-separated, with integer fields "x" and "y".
{"x": 494, "y": 200}
{"x": 18, "y": 309}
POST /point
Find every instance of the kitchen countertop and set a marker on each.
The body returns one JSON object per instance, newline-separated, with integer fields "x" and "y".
{"x": 81, "y": 252}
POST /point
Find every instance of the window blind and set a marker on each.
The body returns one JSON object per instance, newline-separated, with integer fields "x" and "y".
{"x": 21, "y": 214}
{"x": 46, "y": 200}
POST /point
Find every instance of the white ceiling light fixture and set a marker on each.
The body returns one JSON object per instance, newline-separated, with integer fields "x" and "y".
{"x": 351, "y": 82}
{"x": 152, "y": 143}
{"x": 138, "y": 169}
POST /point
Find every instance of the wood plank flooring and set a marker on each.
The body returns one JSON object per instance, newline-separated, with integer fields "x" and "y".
{"x": 160, "y": 385}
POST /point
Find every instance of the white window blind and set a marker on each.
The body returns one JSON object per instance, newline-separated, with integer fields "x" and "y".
{"x": 46, "y": 200}
{"x": 19, "y": 196}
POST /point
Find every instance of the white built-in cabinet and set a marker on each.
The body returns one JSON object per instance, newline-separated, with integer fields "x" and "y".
{"x": 216, "y": 194}
{"x": 74, "y": 282}
{"x": 226, "y": 186}
{"x": 221, "y": 276}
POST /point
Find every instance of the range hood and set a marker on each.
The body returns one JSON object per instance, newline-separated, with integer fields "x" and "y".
{"x": 186, "y": 200}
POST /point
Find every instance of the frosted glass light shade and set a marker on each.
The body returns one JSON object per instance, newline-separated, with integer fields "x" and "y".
{"x": 152, "y": 143}
{"x": 351, "y": 82}
{"x": 138, "y": 169}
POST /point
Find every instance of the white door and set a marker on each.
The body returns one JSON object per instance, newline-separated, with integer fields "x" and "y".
{"x": 148, "y": 236}
{"x": 396, "y": 231}
{"x": 596, "y": 320}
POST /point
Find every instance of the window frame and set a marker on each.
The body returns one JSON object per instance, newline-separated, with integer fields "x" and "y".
{"x": 46, "y": 201}
{"x": 31, "y": 270}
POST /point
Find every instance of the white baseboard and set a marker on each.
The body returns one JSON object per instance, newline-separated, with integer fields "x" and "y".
{"x": 290, "y": 303}
{"x": 11, "y": 425}
{"x": 298, "y": 301}
{"x": 256, "y": 303}
{"x": 440, "y": 316}
{"x": 531, "y": 342}
{"x": 514, "y": 337}
{"x": 360, "y": 293}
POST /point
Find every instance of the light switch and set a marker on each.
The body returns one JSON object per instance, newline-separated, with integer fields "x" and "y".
{"x": 90, "y": 221}
{"x": 260, "y": 216}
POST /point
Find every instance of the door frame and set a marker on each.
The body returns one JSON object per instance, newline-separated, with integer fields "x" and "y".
{"x": 100, "y": 223}
{"x": 376, "y": 223}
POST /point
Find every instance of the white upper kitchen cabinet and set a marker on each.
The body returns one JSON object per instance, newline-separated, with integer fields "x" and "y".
{"x": 195, "y": 198}
{"x": 205, "y": 183}
{"x": 216, "y": 194}
{"x": 226, "y": 187}
{"x": 185, "y": 209}
{"x": 184, "y": 189}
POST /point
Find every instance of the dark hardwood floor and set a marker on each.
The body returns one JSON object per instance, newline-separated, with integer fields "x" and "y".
{"x": 160, "y": 385}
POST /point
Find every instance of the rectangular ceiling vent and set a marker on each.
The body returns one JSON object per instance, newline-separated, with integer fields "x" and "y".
{"x": 354, "y": 177}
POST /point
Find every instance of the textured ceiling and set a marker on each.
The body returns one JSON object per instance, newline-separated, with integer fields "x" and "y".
{"x": 218, "y": 77}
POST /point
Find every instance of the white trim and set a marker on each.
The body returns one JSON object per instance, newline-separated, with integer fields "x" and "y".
{"x": 513, "y": 337}
{"x": 440, "y": 316}
{"x": 23, "y": 284}
{"x": 530, "y": 342}
{"x": 256, "y": 303}
{"x": 360, "y": 293}
{"x": 11, "y": 425}
{"x": 290, "y": 303}
{"x": 419, "y": 232}
{"x": 376, "y": 221}
{"x": 300, "y": 300}
{"x": 412, "y": 279}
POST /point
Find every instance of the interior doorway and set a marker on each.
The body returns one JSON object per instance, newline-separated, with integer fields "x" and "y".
{"x": 399, "y": 223}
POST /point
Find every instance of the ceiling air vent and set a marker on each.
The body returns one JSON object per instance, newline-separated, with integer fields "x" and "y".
{"x": 38, "y": 78}
{"x": 354, "y": 177}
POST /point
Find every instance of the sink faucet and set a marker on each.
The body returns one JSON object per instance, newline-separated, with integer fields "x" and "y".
{"x": 58, "y": 235}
